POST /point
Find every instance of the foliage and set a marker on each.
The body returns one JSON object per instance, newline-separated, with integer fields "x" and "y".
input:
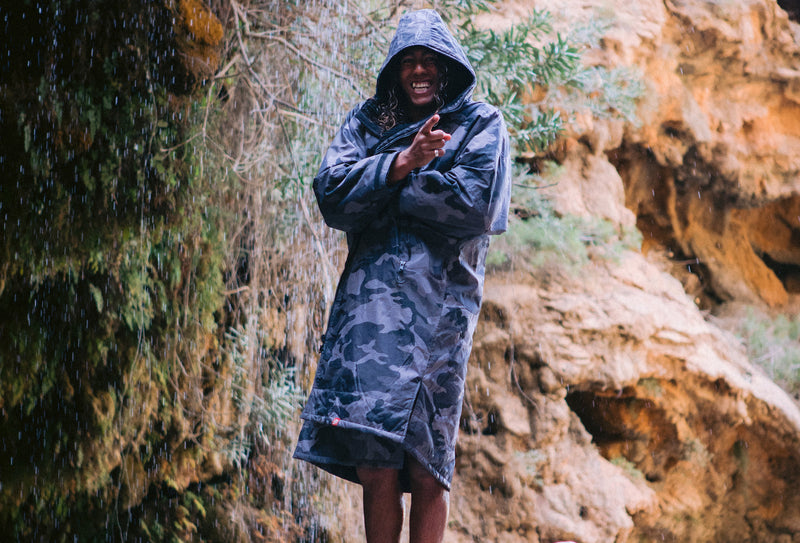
{"x": 509, "y": 66}
{"x": 536, "y": 76}
{"x": 628, "y": 467}
{"x": 774, "y": 345}
{"x": 538, "y": 238}
{"x": 269, "y": 400}
{"x": 651, "y": 386}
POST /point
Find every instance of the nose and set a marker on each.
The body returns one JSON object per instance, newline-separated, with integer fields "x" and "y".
{"x": 419, "y": 67}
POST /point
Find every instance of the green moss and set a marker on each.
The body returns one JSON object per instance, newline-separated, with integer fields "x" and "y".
{"x": 652, "y": 386}
{"x": 112, "y": 283}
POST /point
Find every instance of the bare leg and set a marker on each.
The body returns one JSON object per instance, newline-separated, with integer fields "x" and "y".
{"x": 429, "y": 506}
{"x": 383, "y": 504}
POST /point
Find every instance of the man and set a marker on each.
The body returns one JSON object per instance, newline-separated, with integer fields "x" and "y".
{"x": 417, "y": 177}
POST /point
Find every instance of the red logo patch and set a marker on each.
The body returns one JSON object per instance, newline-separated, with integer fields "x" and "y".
{"x": 335, "y": 421}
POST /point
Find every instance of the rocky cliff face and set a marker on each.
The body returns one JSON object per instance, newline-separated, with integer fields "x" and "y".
{"x": 719, "y": 144}
{"x": 711, "y": 169}
{"x": 617, "y": 407}
{"x": 609, "y": 409}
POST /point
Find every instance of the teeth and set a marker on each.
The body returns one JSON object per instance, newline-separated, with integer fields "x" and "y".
{"x": 420, "y": 85}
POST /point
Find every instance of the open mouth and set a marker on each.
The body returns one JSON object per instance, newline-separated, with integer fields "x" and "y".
{"x": 420, "y": 86}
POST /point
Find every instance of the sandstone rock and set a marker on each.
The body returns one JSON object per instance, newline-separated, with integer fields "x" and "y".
{"x": 662, "y": 427}
{"x": 721, "y": 137}
{"x": 589, "y": 186}
{"x": 713, "y": 162}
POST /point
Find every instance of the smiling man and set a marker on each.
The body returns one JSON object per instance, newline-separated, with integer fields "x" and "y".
{"x": 417, "y": 177}
{"x": 419, "y": 79}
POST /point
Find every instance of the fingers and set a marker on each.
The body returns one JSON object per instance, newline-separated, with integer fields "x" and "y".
{"x": 428, "y": 132}
{"x": 437, "y": 142}
{"x": 429, "y": 124}
{"x": 429, "y": 141}
{"x": 427, "y": 129}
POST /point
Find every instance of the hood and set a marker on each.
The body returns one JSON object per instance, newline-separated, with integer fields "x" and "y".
{"x": 426, "y": 28}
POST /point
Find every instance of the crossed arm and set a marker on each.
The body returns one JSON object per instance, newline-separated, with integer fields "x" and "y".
{"x": 468, "y": 199}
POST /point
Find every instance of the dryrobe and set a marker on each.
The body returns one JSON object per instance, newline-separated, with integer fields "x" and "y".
{"x": 390, "y": 378}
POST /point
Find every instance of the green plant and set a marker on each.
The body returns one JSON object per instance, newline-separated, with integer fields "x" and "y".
{"x": 112, "y": 282}
{"x": 773, "y": 343}
{"x": 537, "y": 77}
{"x": 652, "y": 386}
{"x": 509, "y": 66}
{"x": 539, "y": 238}
{"x": 264, "y": 392}
{"x": 628, "y": 467}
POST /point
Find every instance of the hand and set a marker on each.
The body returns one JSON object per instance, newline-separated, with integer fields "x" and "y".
{"x": 427, "y": 145}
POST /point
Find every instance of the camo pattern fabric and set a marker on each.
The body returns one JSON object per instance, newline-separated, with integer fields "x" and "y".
{"x": 390, "y": 378}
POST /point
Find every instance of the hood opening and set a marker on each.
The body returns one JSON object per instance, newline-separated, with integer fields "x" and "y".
{"x": 425, "y": 28}
{"x": 459, "y": 78}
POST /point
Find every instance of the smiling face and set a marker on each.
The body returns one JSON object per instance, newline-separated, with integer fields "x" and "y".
{"x": 419, "y": 80}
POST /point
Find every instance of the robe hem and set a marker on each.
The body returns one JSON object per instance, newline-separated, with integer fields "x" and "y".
{"x": 347, "y": 470}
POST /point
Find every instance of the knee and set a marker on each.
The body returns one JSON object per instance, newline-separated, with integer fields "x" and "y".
{"x": 423, "y": 483}
{"x": 377, "y": 478}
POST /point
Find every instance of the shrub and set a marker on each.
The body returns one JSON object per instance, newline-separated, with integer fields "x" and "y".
{"x": 774, "y": 345}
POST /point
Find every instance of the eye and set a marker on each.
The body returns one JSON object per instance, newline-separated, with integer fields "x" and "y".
{"x": 407, "y": 62}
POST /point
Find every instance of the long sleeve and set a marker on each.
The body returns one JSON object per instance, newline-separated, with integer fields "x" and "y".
{"x": 471, "y": 198}
{"x": 351, "y": 187}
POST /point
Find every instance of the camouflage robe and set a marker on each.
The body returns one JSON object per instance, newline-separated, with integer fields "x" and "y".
{"x": 390, "y": 379}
